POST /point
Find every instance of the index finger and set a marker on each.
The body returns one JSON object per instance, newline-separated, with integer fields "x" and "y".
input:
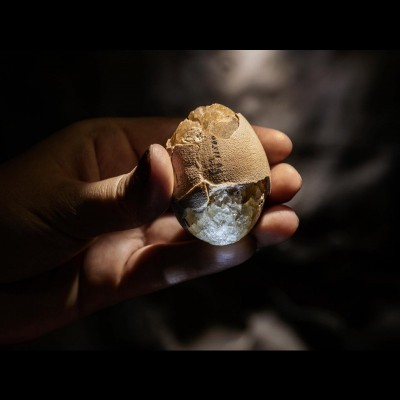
{"x": 277, "y": 144}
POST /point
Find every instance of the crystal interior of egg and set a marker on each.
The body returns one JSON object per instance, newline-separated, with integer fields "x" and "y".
{"x": 222, "y": 175}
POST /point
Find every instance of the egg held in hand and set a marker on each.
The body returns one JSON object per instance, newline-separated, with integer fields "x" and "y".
{"x": 222, "y": 175}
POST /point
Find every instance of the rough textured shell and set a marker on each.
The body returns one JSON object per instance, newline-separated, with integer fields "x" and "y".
{"x": 236, "y": 159}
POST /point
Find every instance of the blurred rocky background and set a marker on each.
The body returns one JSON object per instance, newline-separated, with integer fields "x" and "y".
{"x": 336, "y": 283}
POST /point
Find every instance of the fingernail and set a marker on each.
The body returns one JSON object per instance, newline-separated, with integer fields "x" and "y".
{"x": 143, "y": 169}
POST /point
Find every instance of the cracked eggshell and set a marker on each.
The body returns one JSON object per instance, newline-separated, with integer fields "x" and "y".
{"x": 216, "y": 149}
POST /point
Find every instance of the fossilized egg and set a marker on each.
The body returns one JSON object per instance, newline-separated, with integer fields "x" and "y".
{"x": 222, "y": 175}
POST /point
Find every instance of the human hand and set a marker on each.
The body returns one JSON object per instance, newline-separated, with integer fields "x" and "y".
{"x": 82, "y": 227}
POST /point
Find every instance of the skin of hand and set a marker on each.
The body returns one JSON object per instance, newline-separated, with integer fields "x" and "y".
{"x": 85, "y": 223}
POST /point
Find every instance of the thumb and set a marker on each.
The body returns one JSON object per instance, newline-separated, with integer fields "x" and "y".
{"x": 130, "y": 200}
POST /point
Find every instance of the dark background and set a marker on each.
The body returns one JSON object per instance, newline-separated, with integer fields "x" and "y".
{"x": 335, "y": 284}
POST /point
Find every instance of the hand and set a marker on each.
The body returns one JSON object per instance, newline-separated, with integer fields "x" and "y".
{"x": 82, "y": 223}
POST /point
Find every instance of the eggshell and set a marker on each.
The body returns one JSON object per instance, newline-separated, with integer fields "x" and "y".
{"x": 222, "y": 175}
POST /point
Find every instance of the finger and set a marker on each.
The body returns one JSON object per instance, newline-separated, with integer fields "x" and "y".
{"x": 285, "y": 183}
{"x": 126, "y": 201}
{"x": 158, "y": 266}
{"x": 277, "y": 145}
{"x": 277, "y": 224}
{"x": 65, "y": 294}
